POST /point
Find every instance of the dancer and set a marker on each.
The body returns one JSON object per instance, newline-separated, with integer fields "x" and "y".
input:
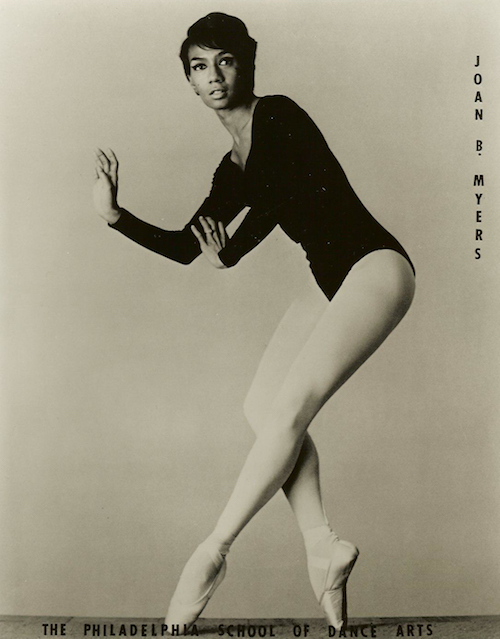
{"x": 281, "y": 166}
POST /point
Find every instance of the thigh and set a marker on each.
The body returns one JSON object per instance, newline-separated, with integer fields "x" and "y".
{"x": 287, "y": 341}
{"x": 372, "y": 300}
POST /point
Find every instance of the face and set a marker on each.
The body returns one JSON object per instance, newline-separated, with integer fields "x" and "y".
{"x": 215, "y": 75}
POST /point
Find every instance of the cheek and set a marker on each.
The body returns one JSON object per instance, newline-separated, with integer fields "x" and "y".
{"x": 241, "y": 80}
{"x": 237, "y": 77}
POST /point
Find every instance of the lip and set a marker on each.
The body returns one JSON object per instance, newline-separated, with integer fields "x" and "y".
{"x": 218, "y": 93}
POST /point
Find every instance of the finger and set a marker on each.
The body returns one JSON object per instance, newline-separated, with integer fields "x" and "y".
{"x": 101, "y": 173}
{"x": 100, "y": 164}
{"x": 206, "y": 227}
{"x": 211, "y": 223}
{"x": 212, "y": 236}
{"x": 113, "y": 161}
{"x": 222, "y": 234}
{"x": 98, "y": 160}
{"x": 113, "y": 157}
{"x": 199, "y": 237}
{"x": 103, "y": 159}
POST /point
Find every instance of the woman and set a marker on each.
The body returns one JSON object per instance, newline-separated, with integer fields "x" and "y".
{"x": 280, "y": 166}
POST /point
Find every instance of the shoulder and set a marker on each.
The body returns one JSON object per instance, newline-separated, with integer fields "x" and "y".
{"x": 279, "y": 106}
{"x": 279, "y": 112}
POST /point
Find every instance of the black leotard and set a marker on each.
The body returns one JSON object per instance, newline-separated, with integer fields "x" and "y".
{"x": 292, "y": 179}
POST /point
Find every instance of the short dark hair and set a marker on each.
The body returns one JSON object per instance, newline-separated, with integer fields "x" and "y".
{"x": 221, "y": 31}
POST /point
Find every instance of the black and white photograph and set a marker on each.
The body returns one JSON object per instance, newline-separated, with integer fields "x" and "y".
{"x": 250, "y": 318}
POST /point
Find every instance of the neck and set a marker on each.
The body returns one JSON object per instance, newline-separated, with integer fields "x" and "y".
{"x": 238, "y": 118}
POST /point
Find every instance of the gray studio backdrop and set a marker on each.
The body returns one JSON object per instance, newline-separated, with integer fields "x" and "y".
{"x": 124, "y": 374}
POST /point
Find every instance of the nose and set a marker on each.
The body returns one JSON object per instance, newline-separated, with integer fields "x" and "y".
{"x": 215, "y": 73}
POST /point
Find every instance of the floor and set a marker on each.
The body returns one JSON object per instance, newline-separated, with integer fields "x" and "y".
{"x": 380, "y": 628}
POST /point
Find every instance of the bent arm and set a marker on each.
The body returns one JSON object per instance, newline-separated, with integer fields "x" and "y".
{"x": 223, "y": 205}
{"x": 180, "y": 246}
{"x": 183, "y": 247}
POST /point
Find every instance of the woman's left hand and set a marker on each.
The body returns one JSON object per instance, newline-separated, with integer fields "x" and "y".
{"x": 213, "y": 242}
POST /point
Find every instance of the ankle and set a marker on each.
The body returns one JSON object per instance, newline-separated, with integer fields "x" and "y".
{"x": 221, "y": 542}
{"x": 312, "y": 536}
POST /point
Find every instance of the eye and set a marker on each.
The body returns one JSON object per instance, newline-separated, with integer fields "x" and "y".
{"x": 198, "y": 66}
{"x": 227, "y": 61}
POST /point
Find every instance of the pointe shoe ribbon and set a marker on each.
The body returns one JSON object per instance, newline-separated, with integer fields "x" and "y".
{"x": 332, "y": 595}
{"x": 185, "y": 614}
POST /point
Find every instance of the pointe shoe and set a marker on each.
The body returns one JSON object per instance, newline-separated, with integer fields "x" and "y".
{"x": 183, "y": 613}
{"x": 332, "y": 597}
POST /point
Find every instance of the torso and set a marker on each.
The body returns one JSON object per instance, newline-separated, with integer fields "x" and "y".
{"x": 285, "y": 168}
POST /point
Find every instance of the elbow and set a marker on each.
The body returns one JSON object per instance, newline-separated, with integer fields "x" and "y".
{"x": 187, "y": 260}
{"x": 187, "y": 257}
{"x": 227, "y": 260}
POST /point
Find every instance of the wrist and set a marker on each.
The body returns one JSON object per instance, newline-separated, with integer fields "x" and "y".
{"x": 114, "y": 215}
{"x": 219, "y": 263}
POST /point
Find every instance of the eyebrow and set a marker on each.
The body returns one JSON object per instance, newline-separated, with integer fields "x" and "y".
{"x": 221, "y": 54}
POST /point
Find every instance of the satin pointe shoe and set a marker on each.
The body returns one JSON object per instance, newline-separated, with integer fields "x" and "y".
{"x": 184, "y": 611}
{"x": 329, "y": 578}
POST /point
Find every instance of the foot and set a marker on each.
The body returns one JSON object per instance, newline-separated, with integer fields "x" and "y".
{"x": 200, "y": 578}
{"x": 330, "y": 561}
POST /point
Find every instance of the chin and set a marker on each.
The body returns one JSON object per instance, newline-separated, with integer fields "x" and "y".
{"x": 225, "y": 103}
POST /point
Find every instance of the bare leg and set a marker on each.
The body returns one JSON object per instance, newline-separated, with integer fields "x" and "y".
{"x": 372, "y": 300}
{"x": 302, "y": 488}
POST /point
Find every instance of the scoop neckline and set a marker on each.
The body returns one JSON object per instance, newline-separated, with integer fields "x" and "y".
{"x": 228, "y": 154}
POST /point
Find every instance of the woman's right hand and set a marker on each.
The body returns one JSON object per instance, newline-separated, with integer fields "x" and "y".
{"x": 106, "y": 186}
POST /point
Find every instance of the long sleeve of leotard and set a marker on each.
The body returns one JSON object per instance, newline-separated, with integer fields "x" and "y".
{"x": 289, "y": 163}
{"x": 223, "y": 204}
{"x": 255, "y": 227}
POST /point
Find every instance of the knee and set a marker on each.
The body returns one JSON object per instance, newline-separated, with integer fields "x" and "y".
{"x": 287, "y": 420}
{"x": 286, "y": 416}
